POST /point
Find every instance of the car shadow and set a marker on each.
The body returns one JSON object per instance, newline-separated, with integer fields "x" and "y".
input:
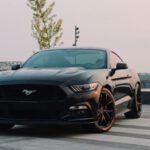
{"x": 50, "y": 131}
{"x": 45, "y": 131}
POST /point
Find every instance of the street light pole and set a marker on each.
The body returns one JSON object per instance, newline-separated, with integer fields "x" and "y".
{"x": 77, "y": 32}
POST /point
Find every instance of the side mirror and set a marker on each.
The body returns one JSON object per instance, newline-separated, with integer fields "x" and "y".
{"x": 111, "y": 72}
{"x": 120, "y": 66}
{"x": 15, "y": 67}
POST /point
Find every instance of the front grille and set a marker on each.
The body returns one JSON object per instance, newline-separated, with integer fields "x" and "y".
{"x": 28, "y": 110}
{"x": 31, "y": 93}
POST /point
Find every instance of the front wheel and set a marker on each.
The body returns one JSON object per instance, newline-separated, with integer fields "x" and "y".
{"x": 105, "y": 111}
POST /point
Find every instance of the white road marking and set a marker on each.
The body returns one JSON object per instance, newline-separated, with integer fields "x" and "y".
{"x": 145, "y": 122}
{"x": 130, "y": 131}
{"x": 126, "y": 132}
{"x": 115, "y": 139}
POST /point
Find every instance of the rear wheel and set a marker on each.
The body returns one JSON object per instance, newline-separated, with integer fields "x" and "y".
{"x": 5, "y": 127}
{"x": 136, "y": 107}
{"x": 105, "y": 111}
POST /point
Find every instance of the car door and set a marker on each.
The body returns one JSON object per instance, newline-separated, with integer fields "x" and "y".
{"x": 120, "y": 77}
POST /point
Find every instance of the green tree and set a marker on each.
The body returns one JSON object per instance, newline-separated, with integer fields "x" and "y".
{"x": 45, "y": 28}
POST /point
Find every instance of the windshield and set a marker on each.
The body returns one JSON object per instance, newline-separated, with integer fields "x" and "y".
{"x": 89, "y": 59}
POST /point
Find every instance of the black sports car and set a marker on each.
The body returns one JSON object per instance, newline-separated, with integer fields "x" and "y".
{"x": 87, "y": 86}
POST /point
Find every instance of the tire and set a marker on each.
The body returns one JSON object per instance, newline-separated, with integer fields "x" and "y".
{"x": 136, "y": 108}
{"x": 5, "y": 127}
{"x": 105, "y": 112}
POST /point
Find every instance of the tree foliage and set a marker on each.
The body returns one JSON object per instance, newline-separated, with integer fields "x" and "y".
{"x": 45, "y": 28}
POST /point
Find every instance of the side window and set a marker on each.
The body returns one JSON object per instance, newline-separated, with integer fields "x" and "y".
{"x": 114, "y": 59}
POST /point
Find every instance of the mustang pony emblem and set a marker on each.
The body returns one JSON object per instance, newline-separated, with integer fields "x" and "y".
{"x": 28, "y": 92}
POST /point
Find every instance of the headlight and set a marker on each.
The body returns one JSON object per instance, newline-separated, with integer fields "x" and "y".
{"x": 84, "y": 87}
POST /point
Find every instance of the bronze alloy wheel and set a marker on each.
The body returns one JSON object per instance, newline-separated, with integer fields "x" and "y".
{"x": 138, "y": 100}
{"x": 136, "y": 108}
{"x": 105, "y": 111}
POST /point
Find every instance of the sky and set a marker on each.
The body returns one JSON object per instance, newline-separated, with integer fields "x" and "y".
{"x": 120, "y": 25}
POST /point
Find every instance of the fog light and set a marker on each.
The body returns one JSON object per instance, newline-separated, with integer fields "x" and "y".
{"x": 82, "y": 107}
{"x": 73, "y": 108}
{"x": 78, "y": 107}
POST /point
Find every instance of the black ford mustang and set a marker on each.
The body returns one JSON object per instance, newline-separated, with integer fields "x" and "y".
{"x": 87, "y": 86}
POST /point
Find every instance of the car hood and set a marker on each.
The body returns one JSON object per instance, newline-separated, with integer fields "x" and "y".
{"x": 60, "y": 75}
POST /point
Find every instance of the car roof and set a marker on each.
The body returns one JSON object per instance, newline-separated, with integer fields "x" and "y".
{"x": 75, "y": 48}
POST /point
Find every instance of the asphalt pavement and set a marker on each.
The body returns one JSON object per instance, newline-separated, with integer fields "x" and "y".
{"x": 126, "y": 134}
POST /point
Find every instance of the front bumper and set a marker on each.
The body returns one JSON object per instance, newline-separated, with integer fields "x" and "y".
{"x": 76, "y": 108}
